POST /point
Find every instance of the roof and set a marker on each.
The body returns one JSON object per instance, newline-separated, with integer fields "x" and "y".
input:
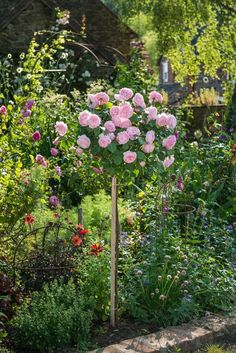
{"x": 106, "y": 27}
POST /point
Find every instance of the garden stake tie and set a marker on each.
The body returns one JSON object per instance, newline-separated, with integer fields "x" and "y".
{"x": 114, "y": 252}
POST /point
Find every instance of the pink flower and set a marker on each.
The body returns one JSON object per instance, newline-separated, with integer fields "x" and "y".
{"x": 110, "y": 126}
{"x": 83, "y": 118}
{"x": 148, "y": 148}
{"x": 126, "y": 111}
{"x": 61, "y": 128}
{"x": 102, "y": 98}
{"x": 112, "y": 136}
{"x": 171, "y": 121}
{"x": 104, "y": 141}
{"x": 53, "y": 200}
{"x": 92, "y": 101}
{"x": 54, "y": 152}
{"x": 41, "y": 160}
{"x": 138, "y": 101}
{"x": 125, "y": 123}
{"x": 169, "y": 142}
{"x": 150, "y": 136}
{"x": 36, "y": 136}
{"x": 79, "y": 151}
{"x": 168, "y": 161}
{"x": 94, "y": 121}
{"x": 124, "y": 94}
{"x": 152, "y": 113}
{"x": 162, "y": 119}
{"x": 122, "y": 138}
{"x": 98, "y": 170}
{"x": 114, "y": 111}
{"x": 133, "y": 132}
{"x": 56, "y": 141}
{"x": 3, "y": 110}
{"x": 142, "y": 164}
{"x": 117, "y": 121}
{"x": 129, "y": 157}
{"x": 83, "y": 141}
{"x": 58, "y": 170}
{"x": 155, "y": 96}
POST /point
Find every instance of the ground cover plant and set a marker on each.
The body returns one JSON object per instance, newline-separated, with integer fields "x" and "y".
{"x": 58, "y": 152}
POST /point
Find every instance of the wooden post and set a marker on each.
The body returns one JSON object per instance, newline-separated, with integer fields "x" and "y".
{"x": 114, "y": 252}
{"x": 80, "y": 216}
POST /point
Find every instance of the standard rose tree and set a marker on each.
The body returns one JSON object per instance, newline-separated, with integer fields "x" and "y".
{"x": 120, "y": 134}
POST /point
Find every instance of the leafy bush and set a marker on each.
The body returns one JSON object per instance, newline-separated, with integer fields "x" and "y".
{"x": 56, "y": 317}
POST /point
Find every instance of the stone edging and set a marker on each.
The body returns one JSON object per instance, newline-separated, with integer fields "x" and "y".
{"x": 186, "y": 338}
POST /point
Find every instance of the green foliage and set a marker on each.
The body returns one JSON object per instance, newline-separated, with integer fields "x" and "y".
{"x": 186, "y": 28}
{"x": 56, "y": 317}
{"x": 94, "y": 280}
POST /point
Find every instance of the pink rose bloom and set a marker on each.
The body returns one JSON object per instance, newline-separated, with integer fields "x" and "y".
{"x": 36, "y": 136}
{"x": 116, "y": 121}
{"x": 92, "y": 101}
{"x": 126, "y": 111}
{"x": 125, "y": 123}
{"x": 138, "y": 101}
{"x": 104, "y": 141}
{"x": 124, "y": 94}
{"x": 112, "y": 136}
{"x": 54, "y": 152}
{"x": 110, "y": 126}
{"x": 122, "y": 138}
{"x": 171, "y": 121}
{"x": 53, "y": 200}
{"x": 94, "y": 121}
{"x": 114, "y": 111}
{"x": 102, "y": 98}
{"x": 61, "y": 128}
{"x": 3, "y": 110}
{"x": 150, "y": 136}
{"x": 148, "y": 148}
{"x": 142, "y": 164}
{"x": 129, "y": 157}
{"x": 155, "y": 96}
{"x": 168, "y": 161}
{"x": 83, "y": 118}
{"x": 133, "y": 132}
{"x": 56, "y": 141}
{"x": 169, "y": 142}
{"x": 152, "y": 113}
{"x": 58, "y": 170}
{"x": 83, "y": 141}
{"x": 79, "y": 151}
{"x": 162, "y": 119}
{"x": 98, "y": 170}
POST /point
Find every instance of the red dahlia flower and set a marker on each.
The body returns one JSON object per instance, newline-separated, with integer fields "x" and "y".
{"x": 83, "y": 231}
{"x": 76, "y": 240}
{"x": 29, "y": 219}
{"x": 95, "y": 249}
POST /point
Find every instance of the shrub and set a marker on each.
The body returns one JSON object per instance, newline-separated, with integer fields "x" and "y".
{"x": 56, "y": 317}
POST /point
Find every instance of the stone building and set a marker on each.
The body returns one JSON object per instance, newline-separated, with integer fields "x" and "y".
{"x": 19, "y": 19}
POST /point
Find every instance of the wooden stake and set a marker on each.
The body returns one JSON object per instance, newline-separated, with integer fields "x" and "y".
{"x": 80, "y": 216}
{"x": 114, "y": 252}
